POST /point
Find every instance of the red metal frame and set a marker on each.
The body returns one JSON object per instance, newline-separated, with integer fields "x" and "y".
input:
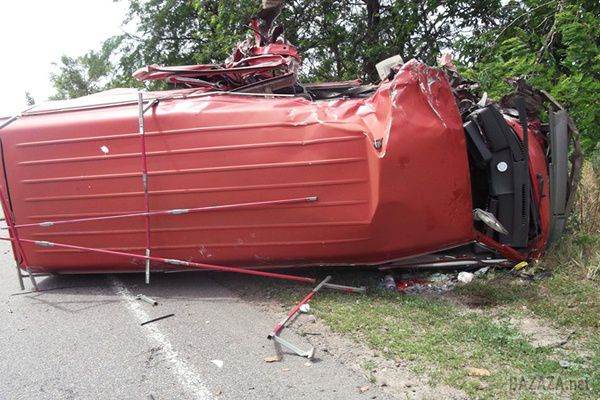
{"x": 503, "y": 249}
{"x": 145, "y": 180}
{"x": 170, "y": 261}
{"x": 13, "y": 232}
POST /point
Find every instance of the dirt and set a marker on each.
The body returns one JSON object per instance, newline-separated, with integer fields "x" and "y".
{"x": 392, "y": 376}
{"x": 539, "y": 333}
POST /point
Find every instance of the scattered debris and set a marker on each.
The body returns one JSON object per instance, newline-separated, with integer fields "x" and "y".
{"x": 272, "y": 359}
{"x": 274, "y": 335}
{"x": 568, "y": 364}
{"x": 565, "y": 364}
{"x": 402, "y": 285}
{"x": 427, "y": 282}
{"x": 218, "y": 392}
{"x": 308, "y": 364}
{"x": 146, "y": 299}
{"x": 157, "y": 319}
{"x": 479, "y": 372}
{"x": 389, "y": 282}
{"x": 304, "y": 308}
{"x": 520, "y": 265}
{"x": 465, "y": 277}
{"x": 364, "y": 389}
{"x": 218, "y": 363}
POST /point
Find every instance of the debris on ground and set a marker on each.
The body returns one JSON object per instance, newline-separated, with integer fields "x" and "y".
{"x": 389, "y": 282}
{"x": 218, "y": 363}
{"x": 465, "y": 277}
{"x": 406, "y": 283}
{"x": 429, "y": 282}
{"x": 157, "y": 319}
{"x": 272, "y": 359}
{"x": 479, "y": 372}
{"x": 364, "y": 389}
{"x": 146, "y": 299}
{"x": 304, "y": 308}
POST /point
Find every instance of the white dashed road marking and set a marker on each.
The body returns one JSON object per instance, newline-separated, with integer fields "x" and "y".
{"x": 183, "y": 371}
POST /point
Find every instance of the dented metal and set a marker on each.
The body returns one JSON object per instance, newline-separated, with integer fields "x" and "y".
{"x": 284, "y": 173}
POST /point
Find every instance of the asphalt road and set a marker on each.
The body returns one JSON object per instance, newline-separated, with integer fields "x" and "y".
{"x": 81, "y": 338}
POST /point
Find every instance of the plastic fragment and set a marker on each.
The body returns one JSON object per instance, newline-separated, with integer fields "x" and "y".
{"x": 465, "y": 277}
{"x": 272, "y": 359}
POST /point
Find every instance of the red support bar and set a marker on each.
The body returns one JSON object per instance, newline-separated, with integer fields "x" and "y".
{"x": 13, "y": 232}
{"x": 168, "y": 260}
{"x": 144, "y": 180}
{"x": 506, "y": 251}
{"x": 305, "y": 300}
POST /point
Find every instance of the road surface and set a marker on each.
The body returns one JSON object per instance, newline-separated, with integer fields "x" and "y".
{"x": 81, "y": 338}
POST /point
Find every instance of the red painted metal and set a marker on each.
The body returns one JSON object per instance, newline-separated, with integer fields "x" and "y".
{"x": 503, "y": 249}
{"x": 17, "y": 243}
{"x": 145, "y": 180}
{"x": 390, "y": 171}
{"x": 279, "y": 327}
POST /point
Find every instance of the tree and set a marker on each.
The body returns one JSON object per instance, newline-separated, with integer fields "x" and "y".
{"x": 84, "y": 75}
{"x": 338, "y": 39}
{"x": 555, "y": 46}
{"x": 552, "y": 43}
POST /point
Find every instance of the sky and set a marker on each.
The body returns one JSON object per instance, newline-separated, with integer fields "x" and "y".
{"x": 36, "y": 33}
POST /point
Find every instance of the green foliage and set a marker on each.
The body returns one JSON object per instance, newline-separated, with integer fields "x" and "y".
{"x": 555, "y": 45}
{"x": 85, "y": 74}
{"x": 338, "y": 39}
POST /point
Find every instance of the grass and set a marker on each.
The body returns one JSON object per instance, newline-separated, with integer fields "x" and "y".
{"x": 441, "y": 337}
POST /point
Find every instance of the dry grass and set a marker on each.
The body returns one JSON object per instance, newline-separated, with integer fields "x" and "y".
{"x": 579, "y": 249}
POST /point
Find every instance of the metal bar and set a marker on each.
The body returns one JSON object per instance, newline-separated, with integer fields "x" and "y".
{"x": 351, "y": 289}
{"x": 506, "y": 251}
{"x": 147, "y": 299}
{"x": 16, "y": 117}
{"x": 145, "y": 179}
{"x": 13, "y": 232}
{"x": 157, "y": 319}
{"x": 279, "y": 327}
{"x": 175, "y": 211}
{"x": 164, "y": 98}
{"x": 171, "y": 261}
{"x": 302, "y": 353}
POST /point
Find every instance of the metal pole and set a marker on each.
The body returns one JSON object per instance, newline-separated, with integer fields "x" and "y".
{"x": 506, "y": 251}
{"x": 145, "y": 181}
{"x": 18, "y": 247}
{"x": 305, "y": 300}
{"x": 170, "y": 261}
{"x": 174, "y": 211}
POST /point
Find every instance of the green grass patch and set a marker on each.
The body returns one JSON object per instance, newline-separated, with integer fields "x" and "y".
{"x": 442, "y": 340}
